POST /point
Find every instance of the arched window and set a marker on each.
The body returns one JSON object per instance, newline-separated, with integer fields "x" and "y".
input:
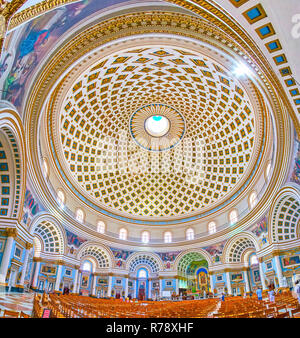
{"x": 123, "y": 234}
{"x": 268, "y": 170}
{"x": 79, "y": 215}
{"x": 212, "y": 228}
{"x": 145, "y": 237}
{"x": 37, "y": 246}
{"x": 142, "y": 273}
{"x": 253, "y": 260}
{"x": 233, "y": 217}
{"x": 87, "y": 266}
{"x": 253, "y": 199}
{"x": 45, "y": 168}
{"x": 168, "y": 237}
{"x": 190, "y": 234}
{"x": 61, "y": 198}
{"x": 101, "y": 227}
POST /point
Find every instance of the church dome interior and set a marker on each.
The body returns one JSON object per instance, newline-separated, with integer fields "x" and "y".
{"x": 149, "y": 152}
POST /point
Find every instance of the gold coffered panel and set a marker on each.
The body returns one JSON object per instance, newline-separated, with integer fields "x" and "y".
{"x": 207, "y": 102}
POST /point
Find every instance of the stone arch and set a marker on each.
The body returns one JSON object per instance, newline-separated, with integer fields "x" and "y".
{"x": 284, "y": 215}
{"x": 186, "y": 257}
{"x": 199, "y": 251}
{"x": 90, "y": 259}
{"x": 50, "y": 231}
{"x": 138, "y": 259}
{"x": 100, "y": 253}
{"x": 238, "y": 246}
{"x": 12, "y": 162}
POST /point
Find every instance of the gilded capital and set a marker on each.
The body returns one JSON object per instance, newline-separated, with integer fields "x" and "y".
{"x": 28, "y": 246}
{"x": 11, "y": 232}
{"x": 276, "y": 253}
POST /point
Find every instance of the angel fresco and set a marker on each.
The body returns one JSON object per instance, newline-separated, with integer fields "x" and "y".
{"x": 296, "y": 171}
{"x": 40, "y": 33}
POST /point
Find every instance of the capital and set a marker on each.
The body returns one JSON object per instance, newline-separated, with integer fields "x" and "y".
{"x": 11, "y": 232}
{"x": 276, "y": 253}
{"x": 28, "y": 246}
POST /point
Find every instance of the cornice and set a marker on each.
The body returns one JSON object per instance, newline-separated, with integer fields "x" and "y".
{"x": 35, "y": 10}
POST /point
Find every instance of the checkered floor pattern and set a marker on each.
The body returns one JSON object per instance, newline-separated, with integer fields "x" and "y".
{"x": 16, "y": 302}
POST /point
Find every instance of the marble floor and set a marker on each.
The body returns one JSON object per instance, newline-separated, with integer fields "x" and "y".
{"x": 16, "y": 302}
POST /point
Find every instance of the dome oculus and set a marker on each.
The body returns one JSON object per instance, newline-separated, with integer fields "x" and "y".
{"x": 157, "y": 125}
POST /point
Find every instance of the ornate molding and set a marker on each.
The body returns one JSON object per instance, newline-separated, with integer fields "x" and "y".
{"x": 35, "y": 10}
{"x": 28, "y": 246}
{"x": 11, "y": 232}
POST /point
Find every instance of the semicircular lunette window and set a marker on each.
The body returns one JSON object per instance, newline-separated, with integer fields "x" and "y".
{"x": 167, "y": 92}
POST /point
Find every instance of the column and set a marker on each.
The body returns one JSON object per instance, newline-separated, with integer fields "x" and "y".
{"x": 279, "y": 271}
{"x": 94, "y": 285}
{"x": 228, "y": 283}
{"x": 78, "y": 281}
{"x": 134, "y": 288}
{"x": 75, "y": 280}
{"x": 58, "y": 276}
{"x": 177, "y": 285}
{"x": 246, "y": 278}
{"x": 109, "y": 286}
{"x": 160, "y": 287}
{"x": 24, "y": 269}
{"x": 36, "y": 271}
{"x": 149, "y": 288}
{"x": 212, "y": 286}
{"x": 11, "y": 234}
{"x": 126, "y": 286}
{"x": 262, "y": 275}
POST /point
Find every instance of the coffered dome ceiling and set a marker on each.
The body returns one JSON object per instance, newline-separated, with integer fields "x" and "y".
{"x": 107, "y": 153}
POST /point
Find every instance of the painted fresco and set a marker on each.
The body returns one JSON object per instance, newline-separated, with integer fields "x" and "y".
{"x": 31, "y": 207}
{"x": 194, "y": 266}
{"x": 74, "y": 242}
{"x": 295, "y": 174}
{"x": 216, "y": 251}
{"x": 38, "y": 36}
{"x": 288, "y": 261}
{"x": 237, "y": 277}
{"x": 260, "y": 230}
{"x": 168, "y": 259}
{"x": 120, "y": 257}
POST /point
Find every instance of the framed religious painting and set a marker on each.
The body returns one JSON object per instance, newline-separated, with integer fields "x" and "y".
{"x": 68, "y": 272}
{"x": 291, "y": 260}
{"x": 18, "y": 252}
{"x": 237, "y": 277}
{"x": 269, "y": 265}
{"x": 219, "y": 278}
{"x": 48, "y": 270}
{"x": 85, "y": 281}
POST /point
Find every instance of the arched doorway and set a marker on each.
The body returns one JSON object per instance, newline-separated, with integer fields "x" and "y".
{"x": 193, "y": 271}
{"x": 142, "y": 284}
